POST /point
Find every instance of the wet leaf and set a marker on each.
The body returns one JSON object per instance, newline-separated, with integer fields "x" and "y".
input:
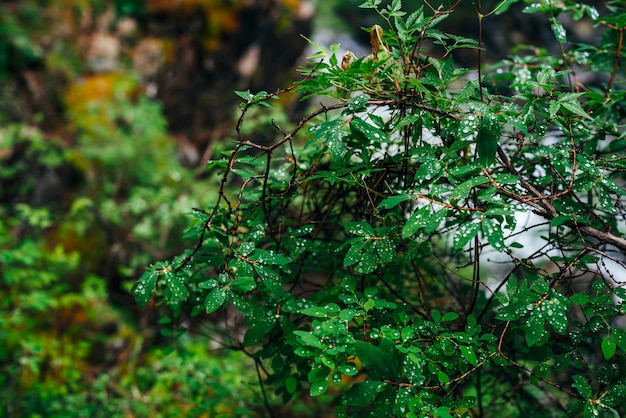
{"x": 374, "y": 360}
{"x": 386, "y": 249}
{"x": 145, "y": 286}
{"x": 269, "y": 257}
{"x": 620, "y": 338}
{"x": 534, "y": 327}
{"x": 582, "y": 386}
{"x": 355, "y": 253}
{"x": 370, "y": 132}
{"x": 309, "y": 339}
{"x": 493, "y": 231}
{"x": 466, "y": 232}
{"x": 271, "y": 279}
{"x": 257, "y": 330}
{"x": 418, "y": 220}
{"x": 608, "y": 347}
{"x": 362, "y": 393}
{"x": 559, "y": 31}
{"x": 468, "y": 126}
{"x": 487, "y": 140}
{"x": 243, "y": 285}
{"x": 215, "y": 299}
{"x": 361, "y": 229}
{"x": 357, "y": 104}
{"x": 348, "y": 369}
{"x": 434, "y": 221}
{"x": 393, "y": 201}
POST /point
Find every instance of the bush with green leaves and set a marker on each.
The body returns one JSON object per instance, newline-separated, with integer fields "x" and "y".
{"x": 430, "y": 240}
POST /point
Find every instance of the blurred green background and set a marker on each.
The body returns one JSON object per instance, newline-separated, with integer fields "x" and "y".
{"x": 109, "y": 111}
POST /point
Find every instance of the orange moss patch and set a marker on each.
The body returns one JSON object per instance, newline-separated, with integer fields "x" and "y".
{"x": 94, "y": 88}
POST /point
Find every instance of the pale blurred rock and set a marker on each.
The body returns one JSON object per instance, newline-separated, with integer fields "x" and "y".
{"x": 103, "y": 52}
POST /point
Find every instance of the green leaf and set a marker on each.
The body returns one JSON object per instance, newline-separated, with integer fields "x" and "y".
{"x": 620, "y": 338}
{"x": 487, "y": 140}
{"x": 361, "y": 229}
{"x": 608, "y": 347}
{"x": 559, "y": 31}
{"x": 315, "y": 311}
{"x": 447, "y": 70}
{"x": 449, "y": 317}
{"x": 270, "y": 278}
{"x": 370, "y": 132}
{"x": 469, "y": 355}
{"x": 393, "y": 201}
{"x": 348, "y": 369}
{"x": 258, "y": 330}
{"x": 582, "y": 386}
{"x": 375, "y": 360}
{"x": 462, "y": 190}
{"x": 243, "y": 285}
{"x": 291, "y": 384}
{"x": 175, "y": 290}
{"x": 570, "y": 102}
{"x": 368, "y": 261}
{"x": 362, "y": 393}
{"x": 269, "y": 257}
{"x": 357, "y": 104}
{"x": 468, "y": 126}
{"x": 332, "y": 134}
{"x": 443, "y": 377}
{"x": 215, "y": 299}
{"x": 466, "y": 232}
{"x": 580, "y": 298}
{"x": 436, "y": 315}
{"x": 319, "y": 387}
{"x": 386, "y": 249}
{"x": 309, "y": 339}
{"x": 435, "y": 220}
{"x": 355, "y": 253}
{"x": 503, "y": 6}
{"x": 534, "y": 327}
{"x": 144, "y": 287}
{"x": 418, "y": 220}
{"x": 494, "y": 234}
{"x": 429, "y": 169}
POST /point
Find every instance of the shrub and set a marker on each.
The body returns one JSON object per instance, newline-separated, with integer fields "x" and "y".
{"x": 381, "y": 249}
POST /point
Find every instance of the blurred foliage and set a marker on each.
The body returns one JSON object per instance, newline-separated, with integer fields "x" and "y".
{"x": 91, "y": 185}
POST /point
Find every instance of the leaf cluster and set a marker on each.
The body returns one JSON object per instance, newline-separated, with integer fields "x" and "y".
{"x": 381, "y": 249}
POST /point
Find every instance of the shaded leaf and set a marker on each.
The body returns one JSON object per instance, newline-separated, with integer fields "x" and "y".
{"x": 487, "y": 140}
{"x": 608, "y": 347}
{"x": 582, "y": 386}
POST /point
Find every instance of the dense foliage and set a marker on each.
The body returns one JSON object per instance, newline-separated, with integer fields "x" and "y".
{"x": 92, "y": 187}
{"x": 430, "y": 240}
